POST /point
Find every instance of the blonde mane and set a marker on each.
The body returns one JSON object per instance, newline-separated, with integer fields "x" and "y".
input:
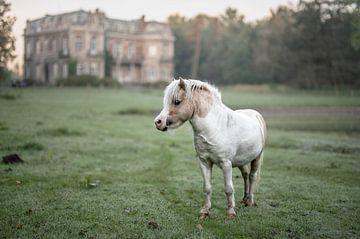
{"x": 191, "y": 85}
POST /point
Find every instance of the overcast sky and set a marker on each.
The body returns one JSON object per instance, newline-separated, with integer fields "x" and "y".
{"x": 124, "y": 9}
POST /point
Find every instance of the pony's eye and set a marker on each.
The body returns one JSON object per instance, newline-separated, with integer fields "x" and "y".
{"x": 177, "y": 102}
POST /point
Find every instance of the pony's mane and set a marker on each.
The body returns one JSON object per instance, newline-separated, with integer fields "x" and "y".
{"x": 191, "y": 85}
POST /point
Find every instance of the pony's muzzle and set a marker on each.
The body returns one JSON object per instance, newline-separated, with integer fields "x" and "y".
{"x": 160, "y": 123}
{"x": 168, "y": 122}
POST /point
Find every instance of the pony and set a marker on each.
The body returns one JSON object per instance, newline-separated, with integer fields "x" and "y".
{"x": 222, "y": 136}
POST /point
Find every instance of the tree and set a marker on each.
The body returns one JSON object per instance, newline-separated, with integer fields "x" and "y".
{"x": 312, "y": 44}
{"x": 355, "y": 36}
{"x": 109, "y": 62}
{"x": 7, "y": 39}
{"x": 184, "y": 49}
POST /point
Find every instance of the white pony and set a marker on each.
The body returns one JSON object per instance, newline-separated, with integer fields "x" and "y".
{"x": 222, "y": 136}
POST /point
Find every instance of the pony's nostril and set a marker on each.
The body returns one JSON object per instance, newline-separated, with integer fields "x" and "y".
{"x": 168, "y": 122}
{"x": 158, "y": 121}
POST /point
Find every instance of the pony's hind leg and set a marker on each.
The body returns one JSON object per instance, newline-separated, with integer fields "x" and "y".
{"x": 254, "y": 178}
{"x": 245, "y": 171}
{"x": 206, "y": 170}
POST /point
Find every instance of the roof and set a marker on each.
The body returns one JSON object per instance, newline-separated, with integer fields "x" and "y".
{"x": 81, "y": 17}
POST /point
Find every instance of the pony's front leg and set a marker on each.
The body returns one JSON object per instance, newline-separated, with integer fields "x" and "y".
{"x": 229, "y": 188}
{"x": 206, "y": 170}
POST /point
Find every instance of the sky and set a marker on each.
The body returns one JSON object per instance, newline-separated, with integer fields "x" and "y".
{"x": 157, "y": 10}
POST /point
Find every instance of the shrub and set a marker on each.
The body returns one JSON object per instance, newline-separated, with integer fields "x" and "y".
{"x": 86, "y": 80}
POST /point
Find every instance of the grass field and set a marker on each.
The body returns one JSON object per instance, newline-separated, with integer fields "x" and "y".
{"x": 95, "y": 167}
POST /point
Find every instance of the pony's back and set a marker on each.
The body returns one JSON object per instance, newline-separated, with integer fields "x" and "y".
{"x": 256, "y": 116}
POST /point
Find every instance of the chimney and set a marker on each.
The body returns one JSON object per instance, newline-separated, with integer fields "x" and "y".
{"x": 142, "y": 23}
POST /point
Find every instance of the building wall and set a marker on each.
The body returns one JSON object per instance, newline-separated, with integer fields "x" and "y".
{"x": 141, "y": 51}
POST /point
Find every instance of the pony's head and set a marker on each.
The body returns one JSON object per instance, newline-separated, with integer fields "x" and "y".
{"x": 183, "y": 100}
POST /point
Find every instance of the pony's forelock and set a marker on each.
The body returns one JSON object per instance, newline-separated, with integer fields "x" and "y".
{"x": 172, "y": 90}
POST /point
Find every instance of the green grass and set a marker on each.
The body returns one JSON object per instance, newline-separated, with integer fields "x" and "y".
{"x": 95, "y": 167}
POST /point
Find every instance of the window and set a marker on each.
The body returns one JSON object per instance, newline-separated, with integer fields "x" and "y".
{"x": 55, "y": 70}
{"x": 54, "y": 45}
{"x": 151, "y": 74}
{"x": 37, "y": 47}
{"x": 76, "y": 18}
{"x": 79, "y": 69}
{"x": 28, "y": 49}
{"x": 152, "y": 51}
{"x": 65, "y": 46}
{"x": 38, "y": 72}
{"x": 46, "y": 45}
{"x": 117, "y": 50}
{"x": 27, "y": 72}
{"x": 93, "y": 68}
{"x": 93, "y": 46}
{"x": 78, "y": 43}
{"x": 65, "y": 70}
{"x": 130, "y": 50}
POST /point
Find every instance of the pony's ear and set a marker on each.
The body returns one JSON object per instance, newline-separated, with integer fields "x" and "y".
{"x": 182, "y": 84}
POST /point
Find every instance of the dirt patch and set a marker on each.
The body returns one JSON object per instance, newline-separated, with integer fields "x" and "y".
{"x": 12, "y": 158}
{"x": 253, "y": 88}
{"x": 352, "y": 112}
{"x": 152, "y": 225}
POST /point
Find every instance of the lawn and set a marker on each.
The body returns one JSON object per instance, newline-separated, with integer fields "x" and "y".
{"x": 95, "y": 167}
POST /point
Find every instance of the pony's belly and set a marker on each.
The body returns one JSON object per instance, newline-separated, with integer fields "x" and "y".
{"x": 237, "y": 162}
{"x": 217, "y": 153}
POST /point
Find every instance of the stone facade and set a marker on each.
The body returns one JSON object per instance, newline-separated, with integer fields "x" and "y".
{"x": 89, "y": 43}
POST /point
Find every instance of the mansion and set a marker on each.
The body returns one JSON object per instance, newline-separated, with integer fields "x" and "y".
{"x": 90, "y": 43}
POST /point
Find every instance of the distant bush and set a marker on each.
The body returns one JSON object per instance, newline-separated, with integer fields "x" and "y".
{"x": 3, "y": 126}
{"x": 9, "y": 96}
{"x": 32, "y": 146}
{"x": 135, "y": 111}
{"x": 61, "y": 131}
{"x": 87, "y": 80}
{"x": 158, "y": 84}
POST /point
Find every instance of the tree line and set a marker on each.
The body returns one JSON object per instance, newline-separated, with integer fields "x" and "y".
{"x": 311, "y": 44}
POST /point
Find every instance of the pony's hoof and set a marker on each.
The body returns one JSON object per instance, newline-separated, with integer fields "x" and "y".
{"x": 203, "y": 216}
{"x": 231, "y": 213}
{"x": 249, "y": 203}
{"x": 245, "y": 199}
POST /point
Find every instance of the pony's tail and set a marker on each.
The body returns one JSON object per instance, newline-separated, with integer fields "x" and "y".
{"x": 258, "y": 173}
{"x": 261, "y": 157}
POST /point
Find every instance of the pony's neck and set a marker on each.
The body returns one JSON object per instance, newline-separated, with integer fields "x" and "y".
{"x": 212, "y": 122}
